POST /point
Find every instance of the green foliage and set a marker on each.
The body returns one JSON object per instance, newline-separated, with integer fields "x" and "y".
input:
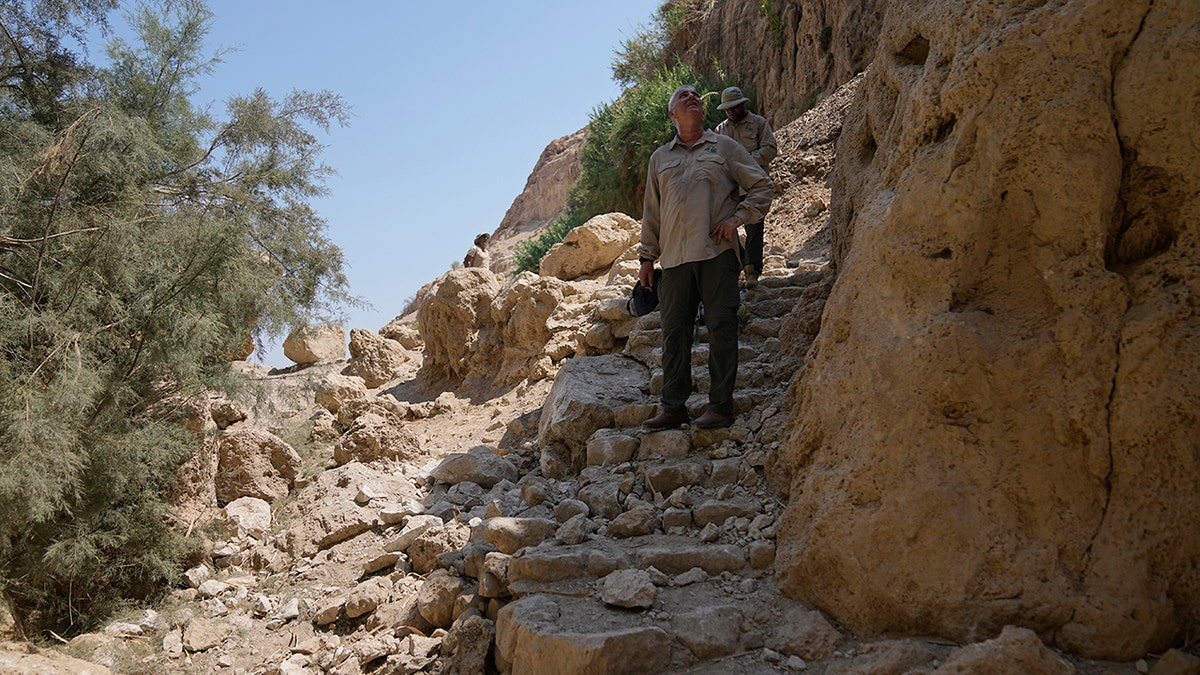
{"x": 826, "y": 38}
{"x": 621, "y": 137}
{"x": 142, "y": 244}
{"x": 528, "y": 254}
{"x": 768, "y": 11}
{"x": 640, "y": 56}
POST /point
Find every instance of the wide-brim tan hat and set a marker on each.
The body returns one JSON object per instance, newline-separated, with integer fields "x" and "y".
{"x": 730, "y": 97}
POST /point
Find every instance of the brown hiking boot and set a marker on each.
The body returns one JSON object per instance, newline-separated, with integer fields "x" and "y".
{"x": 667, "y": 419}
{"x": 711, "y": 419}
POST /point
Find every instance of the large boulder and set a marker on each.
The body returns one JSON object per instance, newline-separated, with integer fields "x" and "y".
{"x": 522, "y": 314}
{"x": 996, "y": 423}
{"x": 254, "y": 463}
{"x": 375, "y": 435}
{"x": 402, "y": 331}
{"x": 313, "y": 344}
{"x": 591, "y": 393}
{"x": 534, "y": 636}
{"x": 373, "y": 358}
{"x": 335, "y": 390}
{"x": 452, "y": 317}
{"x": 591, "y": 247}
{"x": 326, "y": 513}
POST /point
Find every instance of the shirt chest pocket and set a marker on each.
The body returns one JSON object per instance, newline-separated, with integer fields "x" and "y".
{"x": 710, "y": 167}
{"x": 669, "y": 171}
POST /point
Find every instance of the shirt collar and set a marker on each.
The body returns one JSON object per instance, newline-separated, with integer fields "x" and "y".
{"x": 706, "y": 137}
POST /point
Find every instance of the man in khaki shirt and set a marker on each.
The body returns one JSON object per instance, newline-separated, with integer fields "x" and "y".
{"x": 690, "y": 219}
{"x": 754, "y": 133}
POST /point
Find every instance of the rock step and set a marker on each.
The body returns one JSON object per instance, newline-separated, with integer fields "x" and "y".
{"x": 539, "y": 568}
{"x": 758, "y": 341}
{"x": 750, "y": 375}
{"x": 657, "y": 628}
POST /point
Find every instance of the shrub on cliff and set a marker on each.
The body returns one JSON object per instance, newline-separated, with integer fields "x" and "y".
{"x": 621, "y": 137}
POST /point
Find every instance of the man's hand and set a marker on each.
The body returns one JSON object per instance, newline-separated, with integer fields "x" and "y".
{"x": 646, "y": 274}
{"x": 726, "y": 230}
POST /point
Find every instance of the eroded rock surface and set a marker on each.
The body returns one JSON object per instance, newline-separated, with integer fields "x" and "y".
{"x": 1008, "y": 360}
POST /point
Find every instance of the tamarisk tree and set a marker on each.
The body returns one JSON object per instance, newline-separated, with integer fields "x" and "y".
{"x": 143, "y": 243}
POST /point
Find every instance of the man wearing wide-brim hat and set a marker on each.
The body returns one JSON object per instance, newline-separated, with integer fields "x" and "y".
{"x": 754, "y": 133}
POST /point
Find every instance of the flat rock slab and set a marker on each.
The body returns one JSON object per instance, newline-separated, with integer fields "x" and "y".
{"x": 540, "y": 635}
{"x": 587, "y": 391}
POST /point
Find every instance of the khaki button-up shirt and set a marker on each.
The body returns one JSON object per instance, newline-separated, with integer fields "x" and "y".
{"x": 690, "y": 190}
{"x": 754, "y": 133}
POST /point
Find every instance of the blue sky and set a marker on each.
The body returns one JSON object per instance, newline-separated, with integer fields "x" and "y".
{"x": 452, "y": 104}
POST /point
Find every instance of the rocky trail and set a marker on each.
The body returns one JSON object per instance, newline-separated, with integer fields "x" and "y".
{"x": 530, "y": 528}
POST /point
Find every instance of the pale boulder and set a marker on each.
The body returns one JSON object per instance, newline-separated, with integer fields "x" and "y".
{"x": 365, "y": 597}
{"x": 314, "y": 344}
{"x": 629, "y": 588}
{"x": 436, "y": 598}
{"x": 254, "y": 463}
{"x": 403, "y": 332}
{"x": 248, "y": 517}
{"x": 588, "y": 393}
{"x": 591, "y": 247}
{"x": 452, "y": 316}
{"x": 480, "y": 465}
{"x": 203, "y": 634}
{"x": 335, "y": 390}
{"x": 510, "y": 535}
{"x": 1017, "y": 651}
{"x": 375, "y": 359}
{"x": 523, "y": 314}
{"x": 376, "y": 435}
{"x": 710, "y": 632}
{"x": 531, "y": 636}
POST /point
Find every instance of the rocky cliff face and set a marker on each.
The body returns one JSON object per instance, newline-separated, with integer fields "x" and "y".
{"x": 787, "y": 51}
{"x": 997, "y": 421}
{"x": 543, "y": 199}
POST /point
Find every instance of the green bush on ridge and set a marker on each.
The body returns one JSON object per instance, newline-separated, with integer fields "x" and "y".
{"x": 621, "y": 137}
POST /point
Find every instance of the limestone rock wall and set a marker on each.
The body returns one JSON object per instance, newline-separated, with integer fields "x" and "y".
{"x": 788, "y": 51}
{"x": 543, "y": 199}
{"x": 996, "y": 424}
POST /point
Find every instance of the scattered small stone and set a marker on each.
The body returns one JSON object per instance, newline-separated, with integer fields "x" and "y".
{"x": 329, "y": 612}
{"x": 710, "y": 533}
{"x": 381, "y": 562}
{"x": 414, "y": 528}
{"x": 365, "y": 494}
{"x": 629, "y": 588}
{"x": 795, "y": 663}
{"x": 263, "y": 605}
{"x": 574, "y": 531}
{"x": 196, "y": 575}
{"x": 692, "y": 576}
{"x": 212, "y": 588}
{"x": 123, "y": 629}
